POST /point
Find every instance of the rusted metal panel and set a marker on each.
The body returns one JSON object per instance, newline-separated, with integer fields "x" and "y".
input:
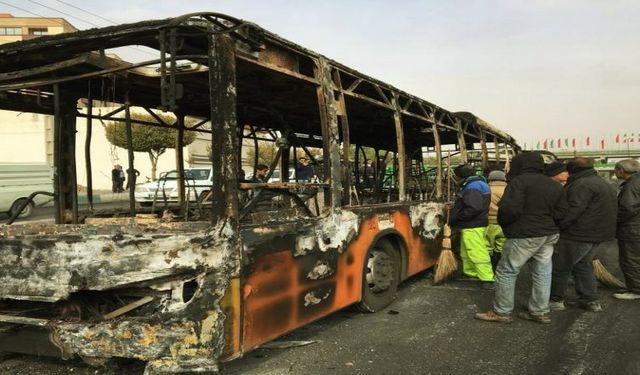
{"x": 50, "y": 266}
{"x": 173, "y": 333}
{"x": 279, "y": 57}
{"x": 297, "y": 277}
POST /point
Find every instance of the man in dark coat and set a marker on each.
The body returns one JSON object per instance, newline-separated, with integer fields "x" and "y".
{"x": 304, "y": 170}
{"x": 628, "y": 230}
{"x": 528, "y": 211}
{"x": 470, "y": 213}
{"x": 589, "y": 222}
{"x": 115, "y": 178}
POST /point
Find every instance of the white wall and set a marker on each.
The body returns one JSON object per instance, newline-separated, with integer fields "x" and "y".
{"x": 23, "y": 140}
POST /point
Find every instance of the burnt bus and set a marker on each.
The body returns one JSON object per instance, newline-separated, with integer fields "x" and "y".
{"x": 184, "y": 285}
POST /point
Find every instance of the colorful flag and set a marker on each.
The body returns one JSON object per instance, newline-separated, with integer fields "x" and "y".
{"x": 588, "y": 141}
{"x": 632, "y": 138}
{"x": 559, "y": 145}
{"x": 551, "y": 143}
{"x": 538, "y": 145}
{"x": 566, "y": 142}
{"x": 545, "y": 144}
{"x": 625, "y": 139}
{"x": 617, "y": 138}
{"x": 602, "y": 144}
{"x": 573, "y": 143}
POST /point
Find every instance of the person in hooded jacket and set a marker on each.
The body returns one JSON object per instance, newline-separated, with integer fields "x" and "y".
{"x": 495, "y": 236}
{"x": 528, "y": 211}
{"x": 628, "y": 231}
{"x": 470, "y": 214}
{"x": 589, "y": 223}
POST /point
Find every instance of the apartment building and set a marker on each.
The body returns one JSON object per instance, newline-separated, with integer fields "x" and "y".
{"x": 13, "y": 29}
{"x": 27, "y": 137}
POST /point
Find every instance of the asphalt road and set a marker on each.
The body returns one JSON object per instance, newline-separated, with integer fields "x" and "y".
{"x": 44, "y": 213}
{"x": 430, "y": 330}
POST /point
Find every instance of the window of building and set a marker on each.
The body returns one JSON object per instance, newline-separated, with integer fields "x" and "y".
{"x": 10, "y": 31}
{"x": 39, "y": 31}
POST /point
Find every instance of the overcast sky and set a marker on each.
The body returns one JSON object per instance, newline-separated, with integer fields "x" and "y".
{"x": 533, "y": 68}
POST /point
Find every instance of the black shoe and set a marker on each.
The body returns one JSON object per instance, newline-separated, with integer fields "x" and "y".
{"x": 593, "y": 306}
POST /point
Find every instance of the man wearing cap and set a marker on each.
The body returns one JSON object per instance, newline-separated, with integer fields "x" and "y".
{"x": 589, "y": 222}
{"x": 304, "y": 170}
{"x": 557, "y": 171}
{"x": 628, "y": 230}
{"x": 470, "y": 214}
{"x": 495, "y": 236}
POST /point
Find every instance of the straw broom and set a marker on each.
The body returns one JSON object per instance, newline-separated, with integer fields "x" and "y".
{"x": 447, "y": 264}
{"x": 604, "y": 276}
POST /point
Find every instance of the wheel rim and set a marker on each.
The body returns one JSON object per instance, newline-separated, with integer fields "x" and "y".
{"x": 380, "y": 271}
{"x": 26, "y": 211}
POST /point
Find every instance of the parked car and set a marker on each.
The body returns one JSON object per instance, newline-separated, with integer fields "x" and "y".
{"x": 165, "y": 188}
{"x": 18, "y": 181}
{"x": 275, "y": 175}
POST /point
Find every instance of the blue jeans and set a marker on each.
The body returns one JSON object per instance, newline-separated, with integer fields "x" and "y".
{"x": 574, "y": 256}
{"x": 515, "y": 254}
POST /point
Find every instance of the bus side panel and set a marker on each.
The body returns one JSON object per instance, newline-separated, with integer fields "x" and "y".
{"x": 421, "y": 253}
{"x": 283, "y": 291}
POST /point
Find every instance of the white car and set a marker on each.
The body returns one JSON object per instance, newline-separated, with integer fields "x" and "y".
{"x": 164, "y": 189}
{"x": 18, "y": 181}
{"x": 275, "y": 175}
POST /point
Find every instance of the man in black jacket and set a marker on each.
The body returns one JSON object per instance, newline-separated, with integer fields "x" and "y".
{"x": 589, "y": 222}
{"x": 628, "y": 231}
{"x": 530, "y": 207}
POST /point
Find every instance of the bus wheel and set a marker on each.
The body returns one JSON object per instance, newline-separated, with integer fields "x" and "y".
{"x": 380, "y": 277}
{"x": 26, "y": 211}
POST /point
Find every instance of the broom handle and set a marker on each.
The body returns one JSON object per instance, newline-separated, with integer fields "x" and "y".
{"x": 448, "y": 183}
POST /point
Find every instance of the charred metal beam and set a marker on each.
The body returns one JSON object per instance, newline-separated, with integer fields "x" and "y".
{"x": 402, "y": 153}
{"x": 483, "y": 147}
{"x": 52, "y": 81}
{"x": 330, "y": 132}
{"x": 461, "y": 142}
{"x": 64, "y": 160}
{"x": 130, "y": 154}
{"x": 180, "y": 162}
{"x": 87, "y": 147}
{"x": 224, "y": 139}
{"x": 438, "y": 145}
{"x": 346, "y": 140}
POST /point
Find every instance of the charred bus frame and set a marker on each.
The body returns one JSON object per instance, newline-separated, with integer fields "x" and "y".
{"x": 228, "y": 273}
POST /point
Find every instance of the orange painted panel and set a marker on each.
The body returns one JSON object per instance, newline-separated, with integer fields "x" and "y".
{"x": 279, "y": 297}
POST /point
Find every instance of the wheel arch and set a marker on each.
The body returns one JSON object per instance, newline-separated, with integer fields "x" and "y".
{"x": 397, "y": 241}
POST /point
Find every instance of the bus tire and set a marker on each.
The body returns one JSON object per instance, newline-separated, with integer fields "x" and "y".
{"x": 26, "y": 212}
{"x": 380, "y": 277}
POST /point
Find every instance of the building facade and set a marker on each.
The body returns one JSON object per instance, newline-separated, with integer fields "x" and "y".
{"x": 28, "y": 138}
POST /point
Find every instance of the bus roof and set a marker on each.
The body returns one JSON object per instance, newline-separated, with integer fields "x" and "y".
{"x": 29, "y": 64}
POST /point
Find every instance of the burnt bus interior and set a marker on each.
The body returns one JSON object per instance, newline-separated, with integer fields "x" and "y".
{"x": 278, "y": 89}
{"x": 247, "y": 88}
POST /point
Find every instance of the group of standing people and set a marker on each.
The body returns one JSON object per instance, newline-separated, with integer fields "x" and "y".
{"x": 556, "y": 219}
{"x": 118, "y": 177}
